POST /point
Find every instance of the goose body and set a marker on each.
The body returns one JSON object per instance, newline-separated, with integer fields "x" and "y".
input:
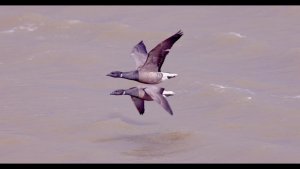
{"x": 150, "y": 93}
{"x": 148, "y": 65}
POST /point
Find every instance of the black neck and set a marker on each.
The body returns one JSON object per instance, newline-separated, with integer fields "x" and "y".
{"x": 134, "y": 91}
{"x": 132, "y": 75}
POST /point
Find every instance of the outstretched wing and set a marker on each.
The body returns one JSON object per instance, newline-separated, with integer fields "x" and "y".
{"x": 139, "y": 104}
{"x": 157, "y": 55}
{"x": 155, "y": 94}
{"x": 139, "y": 53}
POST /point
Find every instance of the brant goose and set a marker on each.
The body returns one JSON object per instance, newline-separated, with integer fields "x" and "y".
{"x": 148, "y": 65}
{"x": 149, "y": 93}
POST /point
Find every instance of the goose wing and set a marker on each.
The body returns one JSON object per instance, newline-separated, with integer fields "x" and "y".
{"x": 139, "y": 54}
{"x": 139, "y": 104}
{"x": 158, "y": 54}
{"x": 156, "y": 94}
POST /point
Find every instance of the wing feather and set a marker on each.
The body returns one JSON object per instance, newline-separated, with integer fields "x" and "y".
{"x": 157, "y": 55}
{"x": 155, "y": 94}
{"x": 139, "y": 104}
{"x": 139, "y": 54}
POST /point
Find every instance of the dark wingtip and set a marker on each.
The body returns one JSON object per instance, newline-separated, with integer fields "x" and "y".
{"x": 180, "y": 32}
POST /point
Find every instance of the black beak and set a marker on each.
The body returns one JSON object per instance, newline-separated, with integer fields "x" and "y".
{"x": 108, "y": 74}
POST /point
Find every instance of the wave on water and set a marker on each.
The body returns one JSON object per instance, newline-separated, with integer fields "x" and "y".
{"x": 74, "y": 21}
{"x": 288, "y": 97}
{"x": 159, "y": 144}
{"x": 221, "y": 88}
{"x": 25, "y": 27}
{"x": 236, "y": 34}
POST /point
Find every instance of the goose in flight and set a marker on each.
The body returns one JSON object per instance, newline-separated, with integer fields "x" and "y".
{"x": 148, "y": 65}
{"x": 150, "y": 93}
